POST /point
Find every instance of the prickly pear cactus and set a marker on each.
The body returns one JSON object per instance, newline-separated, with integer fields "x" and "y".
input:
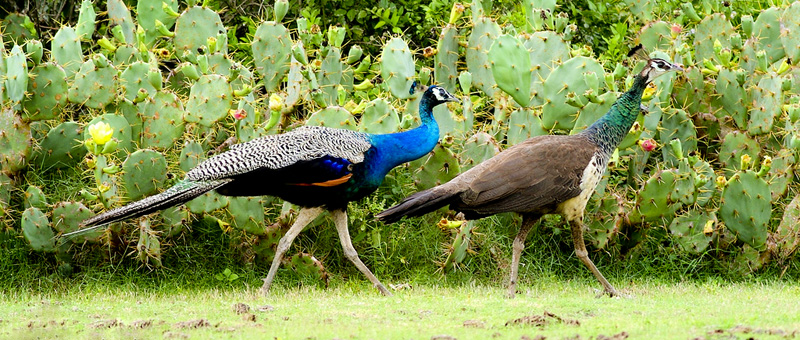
{"x": 209, "y": 100}
{"x": 693, "y": 231}
{"x": 523, "y": 124}
{"x": 48, "y": 92}
{"x": 478, "y": 148}
{"x": 334, "y": 116}
{"x": 15, "y": 141}
{"x": 150, "y": 11}
{"x": 65, "y": 49}
{"x": 397, "y": 67}
{"x": 379, "y": 117}
{"x": 144, "y": 172}
{"x": 36, "y": 228}
{"x": 122, "y": 132}
{"x": 446, "y": 59}
{"x": 786, "y": 237}
{"x": 569, "y": 77}
{"x": 247, "y": 214}
{"x": 458, "y": 250}
{"x": 162, "y": 120}
{"x": 34, "y": 197}
{"x": 61, "y": 148}
{"x": 272, "y": 50}
{"x": 95, "y": 83}
{"x": 677, "y": 124}
{"x": 511, "y": 68}
{"x": 484, "y": 32}
{"x": 713, "y": 27}
{"x": 193, "y": 30}
{"x": 734, "y": 146}
{"x": 745, "y": 208}
{"x": 437, "y": 167}
{"x": 67, "y": 217}
{"x": 16, "y": 77}
{"x": 547, "y": 50}
{"x": 307, "y": 265}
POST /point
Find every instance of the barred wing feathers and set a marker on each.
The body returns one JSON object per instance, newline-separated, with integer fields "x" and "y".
{"x": 279, "y": 151}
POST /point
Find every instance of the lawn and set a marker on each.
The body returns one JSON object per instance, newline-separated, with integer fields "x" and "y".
{"x": 549, "y": 308}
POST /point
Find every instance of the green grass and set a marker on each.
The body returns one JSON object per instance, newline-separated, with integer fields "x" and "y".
{"x": 353, "y": 310}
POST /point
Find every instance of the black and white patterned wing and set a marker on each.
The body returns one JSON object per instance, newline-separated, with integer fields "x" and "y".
{"x": 279, "y": 151}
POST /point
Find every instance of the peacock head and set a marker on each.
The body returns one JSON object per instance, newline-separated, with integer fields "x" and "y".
{"x": 654, "y": 67}
{"x": 436, "y": 95}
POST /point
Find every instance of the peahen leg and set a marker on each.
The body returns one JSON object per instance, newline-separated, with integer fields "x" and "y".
{"x": 519, "y": 244}
{"x": 580, "y": 250}
{"x": 303, "y": 219}
{"x": 340, "y": 219}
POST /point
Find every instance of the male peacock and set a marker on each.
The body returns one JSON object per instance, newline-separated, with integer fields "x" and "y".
{"x": 543, "y": 175}
{"x": 314, "y": 167}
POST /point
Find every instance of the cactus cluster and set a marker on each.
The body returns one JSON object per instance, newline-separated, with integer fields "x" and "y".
{"x": 700, "y": 175}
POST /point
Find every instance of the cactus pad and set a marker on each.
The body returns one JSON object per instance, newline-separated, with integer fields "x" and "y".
{"x": 379, "y": 117}
{"x": 48, "y": 91}
{"x": 162, "y": 120}
{"x": 478, "y": 148}
{"x": 36, "y": 228}
{"x": 94, "y": 86}
{"x": 272, "y": 50}
{"x": 334, "y": 116}
{"x": 248, "y": 214}
{"x": 511, "y": 68}
{"x": 689, "y": 231}
{"x": 15, "y": 141}
{"x": 745, "y": 208}
{"x": 209, "y": 100}
{"x": 62, "y": 147}
{"x": 194, "y": 27}
{"x": 65, "y": 49}
{"x": 397, "y": 67}
{"x": 144, "y": 172}
{"x": 67, "y": 217}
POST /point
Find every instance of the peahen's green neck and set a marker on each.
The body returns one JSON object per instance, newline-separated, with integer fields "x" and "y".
{"x": 608, "y": 131}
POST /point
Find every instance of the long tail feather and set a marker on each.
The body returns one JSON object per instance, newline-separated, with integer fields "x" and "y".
{"x": 418, "y": 204}
{"x": 180, "y": 193}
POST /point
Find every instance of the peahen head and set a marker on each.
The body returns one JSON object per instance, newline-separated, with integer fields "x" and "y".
{"x": 654, "y": 67}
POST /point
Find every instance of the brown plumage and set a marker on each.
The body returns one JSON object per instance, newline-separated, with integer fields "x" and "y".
{"x": 543, "y": 175}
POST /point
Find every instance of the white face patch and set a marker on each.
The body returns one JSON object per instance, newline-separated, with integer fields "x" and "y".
{"x": 441, "y": 94}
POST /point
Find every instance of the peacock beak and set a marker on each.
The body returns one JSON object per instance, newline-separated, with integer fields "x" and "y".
{"x": 677, "y": 67}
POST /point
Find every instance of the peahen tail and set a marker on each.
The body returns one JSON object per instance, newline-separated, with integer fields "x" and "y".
{"x": 419, "y": 204}
{"x": 180, "y": 193}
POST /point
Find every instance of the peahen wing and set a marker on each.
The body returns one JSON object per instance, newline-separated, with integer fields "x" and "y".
{"x": 532, "y": 176}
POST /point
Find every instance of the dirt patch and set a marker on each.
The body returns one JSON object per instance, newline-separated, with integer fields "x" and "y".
{"x": 618, "y": 336}
{"x": 193, "y": 324}
{"x": 241, "y": 308}
{"x": 443, "y": 337}
{"x": 175, "y": 335}
{"x": 538, "y": 337}
{"x": 542, "y": 320}
{"x": 265, "y": 308}
{"x": 106, "y": 323}
{"x": 249, "y": 317}
{"x": 51, "y": 323}
{"x": 474, "y": 324}
{"x": 740, "y": 329}
{"x": 141, "y": 324}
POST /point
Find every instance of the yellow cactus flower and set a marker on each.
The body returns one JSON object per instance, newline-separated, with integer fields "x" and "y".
{"x": 101, "y": 132}
{"x": 275, "y": 102}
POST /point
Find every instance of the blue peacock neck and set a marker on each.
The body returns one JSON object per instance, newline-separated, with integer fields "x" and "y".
{"x": 397, "y": 148}
{"x": 608, "y": 131}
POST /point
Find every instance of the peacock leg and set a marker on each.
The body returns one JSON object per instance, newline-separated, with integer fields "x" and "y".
{"x": 303, "y": 219}
{"x": 580, "y": 250}
{"x": 519, "y": 244}
{"x": 340, "y": 219}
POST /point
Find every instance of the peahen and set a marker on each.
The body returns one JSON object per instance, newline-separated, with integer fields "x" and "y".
{"x": 316, "y": 168}
{"x": 551, "y": 174}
